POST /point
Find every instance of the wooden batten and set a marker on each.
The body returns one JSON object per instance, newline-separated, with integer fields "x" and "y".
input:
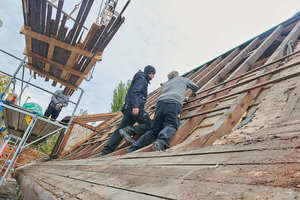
{"x": 57, "y": 65}
{"x": 49, "y": 56}
{"x": 232, "y": 115}
{"x": 27, "y": 32}
{"x": 42, "y": 73}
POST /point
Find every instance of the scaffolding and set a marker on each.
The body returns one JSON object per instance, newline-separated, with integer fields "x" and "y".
{"x": 20, "y": 132}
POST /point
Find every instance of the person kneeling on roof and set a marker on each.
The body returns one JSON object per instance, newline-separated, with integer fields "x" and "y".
{"x": 168, "y": 109}
{"x": 133, "y": 109}
{"x": 58, "y": 101}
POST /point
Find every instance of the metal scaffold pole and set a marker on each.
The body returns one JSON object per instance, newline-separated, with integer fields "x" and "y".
{"x": 22, "y": 142}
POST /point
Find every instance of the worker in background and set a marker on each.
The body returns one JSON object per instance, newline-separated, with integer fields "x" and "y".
{"x": 168, "y": 109}
{"x": 58, "y": 101}
{"x": 133, "y": 108}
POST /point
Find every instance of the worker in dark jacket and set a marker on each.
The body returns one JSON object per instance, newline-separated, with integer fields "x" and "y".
{"x": 58, "y": 101}
{"x": 133, "y": 109}
{"x": 168, "y": 109}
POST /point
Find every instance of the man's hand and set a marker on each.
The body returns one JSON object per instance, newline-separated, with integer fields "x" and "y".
{"x": 59, "y": 105}
{"x": 135, "y": 111}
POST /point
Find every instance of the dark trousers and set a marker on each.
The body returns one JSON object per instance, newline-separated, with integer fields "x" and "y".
{"x": 52, "y": 112}
{"x": 165, "y": 124}
{"x": 128, "y": 120}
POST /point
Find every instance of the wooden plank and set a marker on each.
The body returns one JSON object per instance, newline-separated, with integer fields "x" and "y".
{"x": 49, "y": 56}
{"x": 206, "y": 70}
{"x": 79, "y": 15}
{"x": 205, "y": 112}
{"x": 110, "y": 36}
{"x": 87, "y": 70}
{"x": 260, "y": 75}
{"x": 56, "y": 64}
{"x": 91, "y": 33}
{"x": 70, "y": 62}
{"x": 213, "y": 71}
{"x": 190, "y": 124}
{"x": 217, "y": 169}
{"x": 65, "y": 140}
{"x": 224, "y": 73}
{"x": 98, "y": 129}
{"x": 51, "y": 77}
{"x": 231, "y": 116}
{"x": 95, "y": 117}
{"x": 26, "y": 31}
{"x": 58, "y": 14}
{"x": 82, "y": 20}
{"x": 104, "y": 124}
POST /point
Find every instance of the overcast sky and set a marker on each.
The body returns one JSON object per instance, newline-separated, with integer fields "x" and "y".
{"x": 168, "y": 34}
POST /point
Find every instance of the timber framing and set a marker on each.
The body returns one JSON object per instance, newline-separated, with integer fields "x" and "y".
{"x": 58, "y": 52}
{"x": 224, "y": 79}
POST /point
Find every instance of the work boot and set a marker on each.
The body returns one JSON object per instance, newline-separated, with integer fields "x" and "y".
{"x": 157, "y": 146}
{"x": 127, "y": 137}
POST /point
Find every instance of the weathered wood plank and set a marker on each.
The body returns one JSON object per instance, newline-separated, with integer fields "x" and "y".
{"x": 231, "y": 116}
{"x": 51, "y": 77}
{"x": 220, "y": 171}
{"x": 57, "y": 65}
{"x": 26, "y": 31}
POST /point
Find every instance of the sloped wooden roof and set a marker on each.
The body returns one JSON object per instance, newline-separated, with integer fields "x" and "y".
{"x": 238, "y": 138}
{"x": 225, "y": 84}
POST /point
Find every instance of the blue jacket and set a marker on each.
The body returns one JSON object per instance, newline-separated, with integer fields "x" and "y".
{"x": 137, "y": 93}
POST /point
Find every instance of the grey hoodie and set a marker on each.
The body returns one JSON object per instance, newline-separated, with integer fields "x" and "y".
{"x": 60, "y": 98}
{"x": 175, "y": 89}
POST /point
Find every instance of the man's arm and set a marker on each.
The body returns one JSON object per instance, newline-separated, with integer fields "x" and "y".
{"x": 192, "y": 86}
{"x": 136, "y": 91}
{"x": 66, "y": 103}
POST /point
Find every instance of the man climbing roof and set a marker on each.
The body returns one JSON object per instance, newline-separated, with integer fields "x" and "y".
{"x": 133, "y": 108}
{"x": 168, "y": 109}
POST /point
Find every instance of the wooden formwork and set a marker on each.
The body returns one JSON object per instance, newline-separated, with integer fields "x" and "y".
{"x": 56, "y": 52}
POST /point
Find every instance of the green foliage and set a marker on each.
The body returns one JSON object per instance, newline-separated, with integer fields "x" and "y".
{"x": 47, "y": 146}
{"x": 119, "y": 96}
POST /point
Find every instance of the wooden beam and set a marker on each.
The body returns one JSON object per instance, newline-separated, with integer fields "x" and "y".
{"x": 231, "y": 116}
{"x": 89, "y": 67}
{"x": 95, "y": 117}
{"x": 104, "y": 124}
{"x": 188, "y": 126}
{"x": 55, "y": 64}
{"x": 71, "y": 61}
{"x": 211, "y": 84}
{"x": 213, "y": 71}
{"x": 205, "y": 71}
{"x": 205, "y": 112}
{"x": 46, "y": 74}
{"x": 27, "y": 32}
{"x": 49, "y": 56}
{"x": 240, "y": 77}
{"x": 69, "y": 17}
{"x": 260, "y": 75}
{"x": 98, "y": 129}
{"x": 28, "y": 46}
